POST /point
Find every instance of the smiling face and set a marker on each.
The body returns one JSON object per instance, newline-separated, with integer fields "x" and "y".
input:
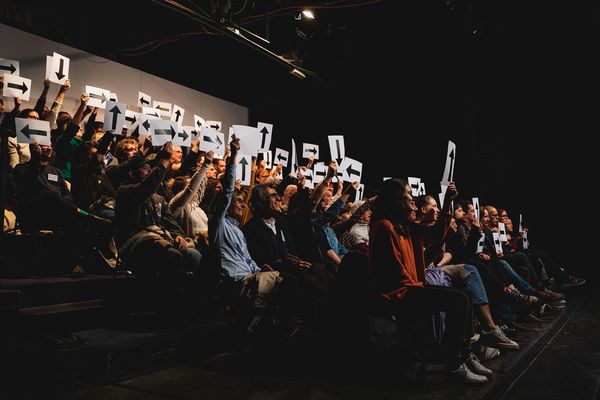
{"x": 429, "y": 211}
{"x": 408, "y": 204}
{"x": 236, "y": 209}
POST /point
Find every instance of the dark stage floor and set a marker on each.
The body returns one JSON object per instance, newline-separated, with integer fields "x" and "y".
{"x": 560, "y": 361}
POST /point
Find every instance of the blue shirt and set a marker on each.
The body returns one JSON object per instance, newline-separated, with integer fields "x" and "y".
{"x": 226, "y": 237}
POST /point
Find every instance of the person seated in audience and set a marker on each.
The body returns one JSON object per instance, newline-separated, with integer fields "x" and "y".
{"x": 124, "y": 151}
{"x": 397, "y": 274}
{"x": 149, "y": 240}
{"x": 553, "y": 275}
{"x": 461, "y": 275}
{"x": 228, "y": 246}
{"x": 185, "y": 204}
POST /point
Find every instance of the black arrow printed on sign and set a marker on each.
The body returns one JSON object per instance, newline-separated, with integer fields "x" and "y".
{"x": 215, "y": 126}
{"x": 451, "y": 155}
{"x": 244, "y": 163}
{"x": 280, "y": 157}
{"x": 313, "y": 150}
{"x": 144, "y": 101}
{"x": 210, "y": 140}
{"x": 171, "y": 132}
{"x": 264, "y": 132}
{"x": 161, "y": 109}
{"x": 28, "y": 131}
{"x": 10, "y": 68}
{"x": 115, "y": 112}
{"x": 59, "y": 74}
{"x": 183, "y": 135}
{"x": 199, "y": 124}
{"x": 178, "y": 113}
{"x": 337, "y": 145}
{"x": 146, "y": 124}
{"x": 352, "y": 171}
{"x": 99, "y": 97}
{"x": 131, "y": 120}
{"x": 22, "y": 87}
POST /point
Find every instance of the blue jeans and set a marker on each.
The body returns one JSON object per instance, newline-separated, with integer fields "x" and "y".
{"x": 191, "y": 260}
{"x": 520, "y": 283}
{"x": 475, "y": 285}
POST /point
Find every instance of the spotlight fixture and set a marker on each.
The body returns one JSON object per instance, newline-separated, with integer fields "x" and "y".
{"x": 305, "y": 15}
{"x": 308, "y": 14}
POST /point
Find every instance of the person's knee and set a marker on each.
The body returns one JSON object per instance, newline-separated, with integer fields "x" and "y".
{"x": 192, "y": 260}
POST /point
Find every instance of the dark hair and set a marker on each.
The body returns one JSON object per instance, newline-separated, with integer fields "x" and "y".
{"x": 24, "y": 113}
{"x": 390, "y": 204}
{"x": 260, "y": 196}
{"x": 180, "y": 183}
{"x": 422, "y": 201}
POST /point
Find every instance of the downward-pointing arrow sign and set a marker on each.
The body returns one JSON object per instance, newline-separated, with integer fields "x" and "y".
{"x": 60, "y": 74}
{"x": 28, "y": 131}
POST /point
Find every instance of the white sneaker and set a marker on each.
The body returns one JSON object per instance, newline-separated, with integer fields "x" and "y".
{"x": 477, "y": 367}
{"x": 496, "y": 338}
{"x": 463, "y": 374}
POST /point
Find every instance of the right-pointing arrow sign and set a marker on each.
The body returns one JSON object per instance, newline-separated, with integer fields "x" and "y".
{"x": 10, "y": 67}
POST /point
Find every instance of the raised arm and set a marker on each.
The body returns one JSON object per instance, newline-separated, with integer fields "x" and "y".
{"x": 182, "y": 198}
{"x": 78, "y": 117}
{"x": 224, "y": 199}
{"x": 319, "y": 191}
{"x": 57, "y": 105}
{"x": 41, "y": 101}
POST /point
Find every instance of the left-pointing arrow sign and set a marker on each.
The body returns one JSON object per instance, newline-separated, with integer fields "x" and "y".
{"x": 27, "y": 131}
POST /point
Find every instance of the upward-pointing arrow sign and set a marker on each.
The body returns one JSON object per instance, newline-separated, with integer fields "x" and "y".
{"x": 243, "y": 163}
{"x": 264, "y": 132}
{"x": 451, "y": 156}
{"x": 115, "y": 112}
